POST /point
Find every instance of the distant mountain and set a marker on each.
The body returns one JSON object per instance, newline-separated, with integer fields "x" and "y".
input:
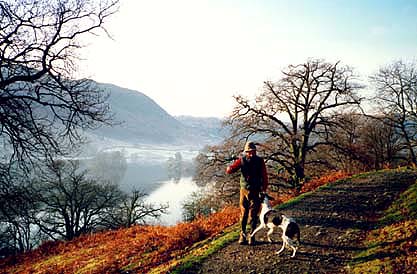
{"x": 144, "y": 121}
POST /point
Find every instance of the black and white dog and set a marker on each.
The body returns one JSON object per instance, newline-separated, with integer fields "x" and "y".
{"x": 271, "y": 218}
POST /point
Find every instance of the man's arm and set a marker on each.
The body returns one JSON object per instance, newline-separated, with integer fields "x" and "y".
{"x": 234, "y": 166}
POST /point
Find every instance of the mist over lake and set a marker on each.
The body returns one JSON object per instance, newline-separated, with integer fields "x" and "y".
{"x": 164, "y": 172}
{"x": 174, "y": 193}
{"x": 149, "y": 149}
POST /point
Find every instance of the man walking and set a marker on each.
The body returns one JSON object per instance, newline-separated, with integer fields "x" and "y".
{"x": 253, "y": 180}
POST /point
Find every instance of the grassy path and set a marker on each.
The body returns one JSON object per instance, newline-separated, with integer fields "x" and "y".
{"x": 334, "y": 221}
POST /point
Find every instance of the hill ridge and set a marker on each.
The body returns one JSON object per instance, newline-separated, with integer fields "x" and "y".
{"x": 140, "y": 119}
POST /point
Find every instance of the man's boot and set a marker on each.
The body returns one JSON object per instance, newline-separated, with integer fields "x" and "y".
{"x": 252, "y": 240}
{"x": 242, "y": 238}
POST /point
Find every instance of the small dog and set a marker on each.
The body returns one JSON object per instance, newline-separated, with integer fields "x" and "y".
{"x": 271, "y": 218}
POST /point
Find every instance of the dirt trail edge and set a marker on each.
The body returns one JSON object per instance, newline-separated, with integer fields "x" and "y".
{"x": 333, "y": 222}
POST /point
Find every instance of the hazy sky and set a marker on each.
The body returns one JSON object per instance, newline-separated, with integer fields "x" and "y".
{"x": 192, "y": 56}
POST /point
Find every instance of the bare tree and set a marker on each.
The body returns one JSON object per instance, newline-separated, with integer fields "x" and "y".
{"x": 361, "y": 143}
{"x": 200, "y": 204}
{"x": 133, "y": 210}
{"x": 381, "y": 141}
{"x": 17, "y": 206}
{"x": 211, "y": 171}
{"x": 396, "y": 88}
{"x": 345, "y": 151}
{"x": 294, "y": 111}
{"x": 71, "y": 202}
{"x": 41, "y": 105}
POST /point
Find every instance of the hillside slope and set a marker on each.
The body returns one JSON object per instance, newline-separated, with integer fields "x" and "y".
{"x": 141, "y": 120}
{"x": 334, "y": 222}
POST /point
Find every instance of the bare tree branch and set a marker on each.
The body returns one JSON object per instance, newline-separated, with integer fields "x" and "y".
{"x": 294, "y": 111}
{"x": 42, "y": 107}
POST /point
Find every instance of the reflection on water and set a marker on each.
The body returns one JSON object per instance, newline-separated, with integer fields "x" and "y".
{"x": 174, "y": 193}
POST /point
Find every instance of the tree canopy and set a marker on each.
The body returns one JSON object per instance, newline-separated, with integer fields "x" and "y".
{"x": 294, "y": 113}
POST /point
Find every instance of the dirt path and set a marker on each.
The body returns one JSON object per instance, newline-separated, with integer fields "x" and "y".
{"x": 332, "y": 221}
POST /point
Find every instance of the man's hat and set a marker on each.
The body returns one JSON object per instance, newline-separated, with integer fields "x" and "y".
{"x": 250, "y": 146}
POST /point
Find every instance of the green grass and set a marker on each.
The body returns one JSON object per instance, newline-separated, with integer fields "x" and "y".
{"x": 293, "y": 201}
{"x": 192, "y": 262}
{"x": 199, "y": 252}
{"x": 391, "y": 245}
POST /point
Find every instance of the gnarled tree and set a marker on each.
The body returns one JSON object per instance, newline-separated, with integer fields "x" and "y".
{"x": 293, "y": 114}
{"x": 41, "y": 105}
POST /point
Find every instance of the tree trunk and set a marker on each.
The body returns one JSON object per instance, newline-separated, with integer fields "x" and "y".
{"x": 298, "y": 177}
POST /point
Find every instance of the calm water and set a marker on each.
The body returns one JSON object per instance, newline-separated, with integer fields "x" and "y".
{"x": 173, "y": 193}
{"x": 147, "y": 170}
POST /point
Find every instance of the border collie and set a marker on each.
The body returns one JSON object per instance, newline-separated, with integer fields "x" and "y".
{"x": 270, "y": 218}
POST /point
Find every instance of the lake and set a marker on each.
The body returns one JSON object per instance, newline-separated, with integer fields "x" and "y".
{"x": 147, "y": 170}
{"x": 174, "y": 193}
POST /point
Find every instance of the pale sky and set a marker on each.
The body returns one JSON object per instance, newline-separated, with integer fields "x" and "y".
{"x": 192, "y": 56}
